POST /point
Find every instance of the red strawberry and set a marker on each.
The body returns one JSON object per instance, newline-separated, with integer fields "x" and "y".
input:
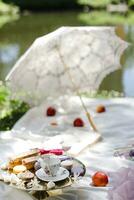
{"x": 78, "y": 122}
{"x": 51, "y": 112}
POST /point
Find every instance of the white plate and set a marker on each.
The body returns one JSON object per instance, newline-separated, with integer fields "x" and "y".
{"x": 61, "y": 175}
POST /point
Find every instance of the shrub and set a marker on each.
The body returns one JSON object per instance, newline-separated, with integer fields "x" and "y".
{"x": 97, "y": 3}
{"x": 11, "y": 110}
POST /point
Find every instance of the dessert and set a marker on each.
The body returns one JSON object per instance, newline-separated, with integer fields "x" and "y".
{"x": 67, "y": 164}
{"x": 51, "y": 112}
{"x": 22, "y": 178}
{"x": 100, "y": 109}
{"x": 17, "y": 160}
{"x": 19, "y": 168}
{"x": 29, "y": 162}
{"x": 78, "y": 122}
{"x": 100, "y": 179}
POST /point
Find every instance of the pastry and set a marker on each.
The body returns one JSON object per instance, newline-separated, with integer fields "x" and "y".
{"x": 12, "y": 164}
{"x": 17, "y": 160}
{"x": 19, "y": 168}
{"x": 29, "y": 162}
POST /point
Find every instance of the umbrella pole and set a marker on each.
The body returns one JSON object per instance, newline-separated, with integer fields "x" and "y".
{"x": 87, "y": 113}
{"x": 78, "y": 94}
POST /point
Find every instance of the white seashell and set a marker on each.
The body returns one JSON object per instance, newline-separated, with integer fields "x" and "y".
{"x": 14, "y": 179}
{"x": 50, "y": 185}
{"x": 7, "y": 178}
{"x": 34, "y": 184}
{"x": 4, "y": 166}
{"x": 21, "y": 184}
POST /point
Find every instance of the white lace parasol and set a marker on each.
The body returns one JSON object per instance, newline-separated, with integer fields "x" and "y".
{"x": 69, "y": 60}
{"x": 87, "y": 53}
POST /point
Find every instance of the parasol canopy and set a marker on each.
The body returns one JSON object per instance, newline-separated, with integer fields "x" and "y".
{"x": 71, "y": 59}
{"x": 67, "y": 60}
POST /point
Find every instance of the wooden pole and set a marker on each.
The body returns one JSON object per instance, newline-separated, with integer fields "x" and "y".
{"x": 78, "y": 94}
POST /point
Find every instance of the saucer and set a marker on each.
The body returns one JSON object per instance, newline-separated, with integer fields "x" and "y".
{"x": 61, "y": 175}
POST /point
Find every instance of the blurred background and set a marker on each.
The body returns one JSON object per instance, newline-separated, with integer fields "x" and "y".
{"x": 22, "y": 21}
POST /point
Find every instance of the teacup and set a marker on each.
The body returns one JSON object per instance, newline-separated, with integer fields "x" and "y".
{"x": 50, "y": 164}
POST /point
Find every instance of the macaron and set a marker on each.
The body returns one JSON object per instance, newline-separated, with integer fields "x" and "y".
{"x": 19, "y": 169}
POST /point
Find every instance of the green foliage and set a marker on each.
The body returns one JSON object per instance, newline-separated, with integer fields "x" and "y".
{"x": 10, "y": 109}
{"x": 97, "y": 3}
{"x": 8, "y": 13}
{"x": 105, "y": 18}
{"x": 7, "y": 9}
{"x": 131, "y": 2}
{"x": 17, "y": 110}
{"x": 103, "y": 94}
{"x": 4, "y": 19}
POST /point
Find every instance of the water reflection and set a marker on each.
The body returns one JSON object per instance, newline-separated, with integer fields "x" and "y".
{"x": 9, "y": 53}
{"x": 16, "y": 37}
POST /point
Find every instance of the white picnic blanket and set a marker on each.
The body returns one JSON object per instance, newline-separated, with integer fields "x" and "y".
{"x": 116, "y": 126}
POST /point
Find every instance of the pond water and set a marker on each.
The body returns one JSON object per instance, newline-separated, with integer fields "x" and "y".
{"x": 17, "y": 36}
